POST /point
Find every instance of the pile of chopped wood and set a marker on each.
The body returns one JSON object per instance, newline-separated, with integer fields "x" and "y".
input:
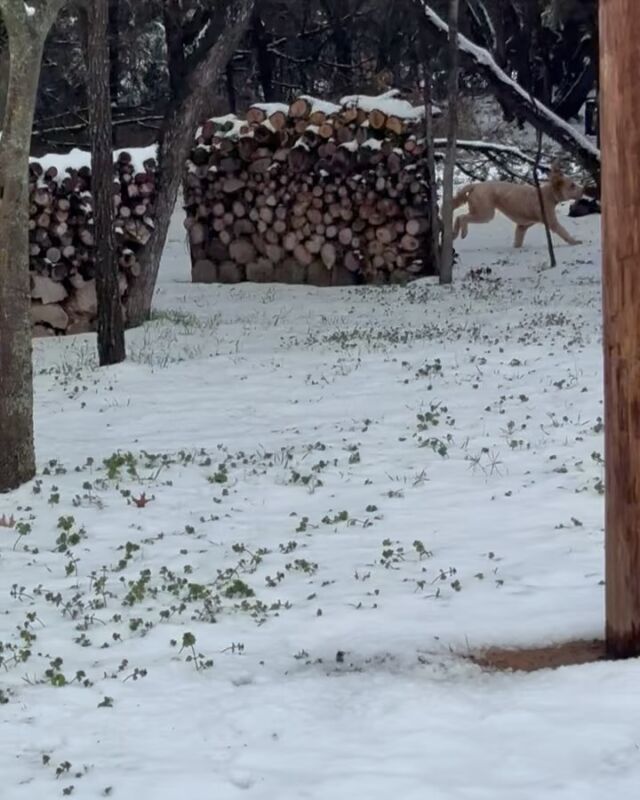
{"x": 314, "y": 192}
{"x": 61, "y": 237}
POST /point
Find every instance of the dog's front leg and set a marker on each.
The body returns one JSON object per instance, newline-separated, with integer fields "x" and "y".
{"x": 556, "y": 227}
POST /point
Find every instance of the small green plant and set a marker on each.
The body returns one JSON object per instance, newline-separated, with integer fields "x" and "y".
{"x": 421, "y": 550}
{"x": 119, "y": 465}
{"x": 193, "y": 657}
{"x": 238, "y": 588}
{"x": 138, "y": 589}
{"x": 22, "y": 529}
{"x": 341, "y": 516}
{"x": 392, "y": 554}
{"x": 54, "y": 674}
{"x": 106, "y": 702}
{"x": 69, "y": 535}
{"x": 220, "y": 476}
{"x": 302, "y": 565}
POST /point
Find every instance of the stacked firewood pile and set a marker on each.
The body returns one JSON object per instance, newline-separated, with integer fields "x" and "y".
{"x": 314, "y": 192}
{"x": 61, "y": 238}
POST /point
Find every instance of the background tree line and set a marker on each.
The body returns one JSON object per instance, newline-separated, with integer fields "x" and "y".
{"x": 322, "y": 47}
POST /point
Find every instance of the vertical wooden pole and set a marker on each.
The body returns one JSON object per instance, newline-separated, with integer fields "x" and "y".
{"x": 432, "y": 243}
{"x": 446, "y": 255}
{"x": 620, "y": 91}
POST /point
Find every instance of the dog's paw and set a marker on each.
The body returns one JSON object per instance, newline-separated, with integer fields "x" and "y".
{"x": 574, "y": 242}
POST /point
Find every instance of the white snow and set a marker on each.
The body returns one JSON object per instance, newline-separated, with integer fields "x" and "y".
{"x": 234, "y": 131}
{"x": 76, "y": 158}
{"x": 327, "y": 409}
{"x": 272, "y": 108}
{"x": 321, "y": 106}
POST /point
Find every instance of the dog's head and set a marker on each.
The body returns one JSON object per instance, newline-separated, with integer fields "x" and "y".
{"x": 564, "y": 188}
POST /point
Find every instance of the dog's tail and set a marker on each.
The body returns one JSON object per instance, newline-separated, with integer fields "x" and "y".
{"x": 463, "y": 196}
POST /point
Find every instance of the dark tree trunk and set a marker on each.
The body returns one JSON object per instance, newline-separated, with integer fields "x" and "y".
{"x": 175, "y": 46}
{"x": 232, "y": 95}
{"x": 432, "y": 245}
{"x": 176, "y": 140}
{"x": 111, "y": 346}
{"x": 446, "y": 253}
{"x": 114, "y": 50}
{"x": 264, "y": 59}
{"x": 342, "y": 39}
{"x": 500, "y": 29}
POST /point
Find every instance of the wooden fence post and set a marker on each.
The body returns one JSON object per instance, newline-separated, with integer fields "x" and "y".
{"x": 620, "y": 88}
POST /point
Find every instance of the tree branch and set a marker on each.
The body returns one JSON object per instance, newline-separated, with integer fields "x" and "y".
{"x": 514, "y": 96}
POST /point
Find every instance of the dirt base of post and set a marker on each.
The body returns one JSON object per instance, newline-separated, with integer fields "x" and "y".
{"x": 532, "y": 659}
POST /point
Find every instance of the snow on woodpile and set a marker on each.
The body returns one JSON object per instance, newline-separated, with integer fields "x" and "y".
{"x": 389, "y": 104}
{"x": 314, "y": 192}
{"x": 61, "y": 233}
{"x": 77, "y": 159}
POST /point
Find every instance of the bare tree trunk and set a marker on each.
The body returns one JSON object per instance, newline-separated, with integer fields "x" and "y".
{"x": 26, "y": 42}
{"x": 114, "y": 50}
{"x": 4, "y": 67}
{"x": 446, "y": 259}
{"x": 264, "y": 58}
{"x": 111, "y": 346}
{"x": 176, "y": 140}
{"x": 432, "y": 254}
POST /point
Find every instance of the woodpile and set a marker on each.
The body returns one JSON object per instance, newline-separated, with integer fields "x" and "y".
{"x": 313, "y": 192}
{"x": 61, "y": 238}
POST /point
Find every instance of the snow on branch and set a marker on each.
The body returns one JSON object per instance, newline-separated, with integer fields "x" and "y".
{"x": 517, "y": 98}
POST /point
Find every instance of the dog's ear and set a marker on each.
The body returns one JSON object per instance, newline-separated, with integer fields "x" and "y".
{"x": 556, "y": 176}
{"x": 556, "y": 169}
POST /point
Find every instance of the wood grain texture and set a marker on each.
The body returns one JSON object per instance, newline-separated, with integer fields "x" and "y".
{"x": 620, "y": 88}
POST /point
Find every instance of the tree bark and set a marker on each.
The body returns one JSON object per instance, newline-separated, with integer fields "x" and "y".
{"x": 264, "y": 59}
{"x": 620, "y": 32}
{"x": 176, "y": 139}
{"x": 111, "y": 344}
{"x": 446, "y": 257}
{"x": 114, "y": 50}
{"x": 432, "y": 254}
{"x": 26, "y": 42}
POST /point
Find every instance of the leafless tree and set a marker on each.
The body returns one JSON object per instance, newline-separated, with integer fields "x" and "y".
{"x": 27, "y": 27}
{"x": 446, "y": 258}
{"x": 111, "y": 344}
{"x": 194, "y": 80}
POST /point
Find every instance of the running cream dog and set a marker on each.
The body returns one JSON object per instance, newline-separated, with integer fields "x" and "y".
{"x": 519, "y": 202}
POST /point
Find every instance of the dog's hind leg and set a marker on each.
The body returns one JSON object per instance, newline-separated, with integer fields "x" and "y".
{"x": 475, "y": 216}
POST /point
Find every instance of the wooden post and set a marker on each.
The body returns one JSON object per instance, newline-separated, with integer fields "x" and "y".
{"x": 620, "y": 87}
{"x": 432, "y": 242}
{"x": 446, "y": 256}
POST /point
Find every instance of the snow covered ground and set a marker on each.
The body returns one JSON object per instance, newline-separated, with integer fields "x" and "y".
{"x": 347, "y": 491}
